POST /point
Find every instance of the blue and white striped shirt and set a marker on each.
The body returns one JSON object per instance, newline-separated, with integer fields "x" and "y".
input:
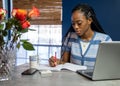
{"x": 74, "y": 47}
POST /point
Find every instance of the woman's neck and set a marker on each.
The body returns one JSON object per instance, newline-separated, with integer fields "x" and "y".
{"x": 88, "y": 35}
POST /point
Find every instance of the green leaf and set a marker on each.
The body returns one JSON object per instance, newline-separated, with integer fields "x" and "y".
{"x": 8, "y": 25}
{"x": 1, "y": 26}
{"x": 2, "y": 42}
{"x": 5, "y": 33}
{"x": 24, "y": 30}
{"x": 18, "y": 45}
{"x": 28, "y": 46}
{"x": 25, "y": 40}
{"x": 32, "y": 29}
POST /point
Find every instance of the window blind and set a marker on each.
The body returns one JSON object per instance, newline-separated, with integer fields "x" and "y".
{"x": 50, "y": 10}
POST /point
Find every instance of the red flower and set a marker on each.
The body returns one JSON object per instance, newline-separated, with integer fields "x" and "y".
{"x": 19, "y": 14}
{"x": 2, "y": 13}
{"x": 25, "y": 24}
{"x": 19, "y": 23}
{"x": 22, "y": 16}
{"x": 34, "y": 13}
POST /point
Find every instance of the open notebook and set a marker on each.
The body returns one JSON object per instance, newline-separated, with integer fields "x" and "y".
{"x": 67, "y": 66}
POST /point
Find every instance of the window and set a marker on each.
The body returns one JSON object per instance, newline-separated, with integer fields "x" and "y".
{"x": 46, "y": 40}
{"x": 48, "y": 34}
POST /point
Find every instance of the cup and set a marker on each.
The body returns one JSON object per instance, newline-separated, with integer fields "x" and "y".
{"x": 34, "y": 61}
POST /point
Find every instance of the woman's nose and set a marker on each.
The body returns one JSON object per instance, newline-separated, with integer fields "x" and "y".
{"x": 76, "y": 26}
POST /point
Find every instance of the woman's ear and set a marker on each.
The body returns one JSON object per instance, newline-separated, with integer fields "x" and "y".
{"x": 90, "y": 20}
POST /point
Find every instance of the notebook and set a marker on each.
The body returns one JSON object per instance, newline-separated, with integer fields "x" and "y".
{"x": 66, "y": 66}
{"x": 107, "y": 65}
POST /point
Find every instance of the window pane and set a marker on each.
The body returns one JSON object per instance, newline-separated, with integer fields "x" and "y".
{"x": 46, "y": 40}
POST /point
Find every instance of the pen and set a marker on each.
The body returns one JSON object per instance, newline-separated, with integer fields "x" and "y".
{"x": 55, "y": 59}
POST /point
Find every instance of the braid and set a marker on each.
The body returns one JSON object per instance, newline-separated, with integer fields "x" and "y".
{"x": 89, "y": 13}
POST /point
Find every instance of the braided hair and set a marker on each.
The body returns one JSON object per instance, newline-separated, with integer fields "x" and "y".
{"x": 89, "y": 13}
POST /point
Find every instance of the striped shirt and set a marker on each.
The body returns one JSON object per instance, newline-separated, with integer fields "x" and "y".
{"x": 72, "y": 45}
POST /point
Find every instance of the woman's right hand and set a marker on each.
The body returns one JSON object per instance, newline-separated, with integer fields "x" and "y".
{"x": 53, "y": 61}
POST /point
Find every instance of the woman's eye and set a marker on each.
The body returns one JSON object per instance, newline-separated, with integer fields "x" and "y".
{"x": 73, "y": 24}
{"x": 76, "y": 23}
{"x": 79, "y": 23}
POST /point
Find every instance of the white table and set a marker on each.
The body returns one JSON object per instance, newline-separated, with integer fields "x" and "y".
{"x": 63, "y": 78}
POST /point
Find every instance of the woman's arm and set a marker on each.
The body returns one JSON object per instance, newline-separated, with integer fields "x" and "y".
{"x": 65, "y": 58}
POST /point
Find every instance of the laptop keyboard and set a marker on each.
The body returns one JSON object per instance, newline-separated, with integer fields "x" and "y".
{"x": 89, "y": 73}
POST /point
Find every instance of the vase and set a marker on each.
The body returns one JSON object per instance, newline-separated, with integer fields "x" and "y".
{"x": 7, "y": 64}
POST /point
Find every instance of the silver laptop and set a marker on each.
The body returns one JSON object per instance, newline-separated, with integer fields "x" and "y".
{"x": 107, "y": 65}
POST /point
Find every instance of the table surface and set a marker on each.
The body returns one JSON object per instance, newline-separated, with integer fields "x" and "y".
{"x": 62, "y": 78}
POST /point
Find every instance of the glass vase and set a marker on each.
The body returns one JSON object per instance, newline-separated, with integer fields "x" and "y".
{"x": 7, "y": 64}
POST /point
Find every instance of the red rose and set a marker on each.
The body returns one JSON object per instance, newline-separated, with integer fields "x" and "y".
{"x": 25, "y": 24}
{"x": 19, "y": 14}
{"x": 2, "y": 13}
{"x": 34, "y": 12}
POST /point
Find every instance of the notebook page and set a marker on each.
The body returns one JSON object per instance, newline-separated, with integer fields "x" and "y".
{"x": 47, "y": 67}
{"x": 73, "y": 67}
{"x": 68, "y": 66}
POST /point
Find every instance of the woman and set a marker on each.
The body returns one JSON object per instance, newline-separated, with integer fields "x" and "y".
{"x": 82, "y": 40}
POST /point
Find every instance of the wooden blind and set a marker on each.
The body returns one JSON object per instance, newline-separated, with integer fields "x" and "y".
{"x": 1, "y": 4}
{"x": 50, "y": 10}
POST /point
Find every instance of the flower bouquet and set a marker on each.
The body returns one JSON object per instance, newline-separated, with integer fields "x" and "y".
{"x": 11, "y": 30}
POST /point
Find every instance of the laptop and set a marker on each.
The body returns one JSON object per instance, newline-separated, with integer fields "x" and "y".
{"x": 107, "y": 65}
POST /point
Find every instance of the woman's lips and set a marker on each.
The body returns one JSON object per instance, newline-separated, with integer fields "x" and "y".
{"x": 78, "y": 32}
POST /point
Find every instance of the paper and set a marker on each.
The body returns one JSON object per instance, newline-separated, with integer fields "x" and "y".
{"x": 73, "y": 67}
{"x": 45, "y": 73}
{"x": 68, "y": 66}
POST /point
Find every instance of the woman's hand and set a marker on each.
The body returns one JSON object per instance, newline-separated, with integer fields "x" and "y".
{"x": 53, "y": 61}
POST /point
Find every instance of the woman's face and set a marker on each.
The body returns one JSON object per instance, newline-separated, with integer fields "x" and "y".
{"x": 80, "y": 24}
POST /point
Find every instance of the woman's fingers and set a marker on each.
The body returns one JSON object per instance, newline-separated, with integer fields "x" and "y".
{"x": 52, "y": 63}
